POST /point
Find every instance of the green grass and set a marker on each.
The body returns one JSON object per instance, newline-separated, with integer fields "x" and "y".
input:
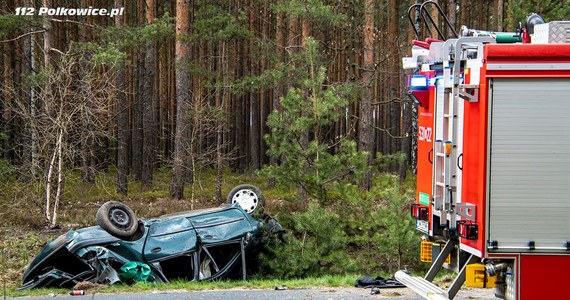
{"x": 325, "y": 281}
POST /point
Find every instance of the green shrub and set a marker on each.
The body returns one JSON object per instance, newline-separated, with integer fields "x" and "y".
{"x": 6, "y": 170}
{"x": 315, "y": 244}
{"x": 379, "y": 230}
{"x": 367, "y": 233}
{"x": 399, "y": 238}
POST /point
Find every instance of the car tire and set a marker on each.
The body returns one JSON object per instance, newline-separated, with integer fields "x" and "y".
{"x": 117, "y": 219}
{"x": 248, "y": 196}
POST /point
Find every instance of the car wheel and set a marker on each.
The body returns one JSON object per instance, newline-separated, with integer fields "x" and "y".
{"x": 117, "y": 219}
{"x": 248, "y": 196}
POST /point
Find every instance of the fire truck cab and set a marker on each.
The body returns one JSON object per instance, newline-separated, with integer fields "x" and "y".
{"x": 493, "y": 170}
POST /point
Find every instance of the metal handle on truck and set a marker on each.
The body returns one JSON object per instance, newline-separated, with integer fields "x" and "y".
{"x": 460, "y": 158}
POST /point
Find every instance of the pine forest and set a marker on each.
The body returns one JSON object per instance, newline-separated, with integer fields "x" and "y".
{"x": 309, "y": 95}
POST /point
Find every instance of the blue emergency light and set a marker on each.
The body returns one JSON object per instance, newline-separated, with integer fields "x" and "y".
{"x": 418, "y": 91}
{"x": 418, "y": 82}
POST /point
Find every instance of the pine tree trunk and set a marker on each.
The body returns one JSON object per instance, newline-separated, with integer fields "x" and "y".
{"x": 19, "y": 124}
{"x": 183, "y": 103}
{"x": 240, "y": 135}
{"x": 466, "y": 13}
{"x": 48, "y": 34}
{"x": 28, "y": 98}
{"x": 413, "y": 110}
{"x": 147, "y": 99}
{"x": 394, "y": 66}
{"x": 365, "y": 126}
{"x": 452, "y": 14}
{"x": 499, "y": 15}
{"x": 7, "y": 84}
{"x": 87, "y": 159}
{"x": 138, "y": 104}
{"x": 221, "y": 65}
{"x": 278, "y": 89}
{"x": 265, "y": 94}
{"x": 171, "y": 90}
{"x": 4, "y": 143}
{"x": 254, "y": 94}
{"x": 304, "y": 140}
{"x": 122, "y": 121}
{"x": 34, "y": 167}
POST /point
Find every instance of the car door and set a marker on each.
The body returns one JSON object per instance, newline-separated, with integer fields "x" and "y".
{"x": 168, "y": 238}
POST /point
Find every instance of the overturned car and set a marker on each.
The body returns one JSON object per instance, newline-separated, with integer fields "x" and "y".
{"x": 194, "y": 245}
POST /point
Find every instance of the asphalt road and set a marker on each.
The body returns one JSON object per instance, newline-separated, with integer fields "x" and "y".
{"x": 242, "y": 294}
{"x": 317, "y": 294}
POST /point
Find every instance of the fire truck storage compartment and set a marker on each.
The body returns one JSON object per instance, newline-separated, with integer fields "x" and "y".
{"x": 544, "y": 276}
{"x": 529, "y": 165}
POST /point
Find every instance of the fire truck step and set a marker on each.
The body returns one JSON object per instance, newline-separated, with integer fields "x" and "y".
{"x": 421, "y": 286}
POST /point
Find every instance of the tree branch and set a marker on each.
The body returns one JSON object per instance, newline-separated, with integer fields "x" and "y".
{"x": 73, "y": 21}
{"x": 56, "y": 50}
{"x": 395, "y": 100}
{"x": 23, "y": 35}
{"x": 391, "y": 135}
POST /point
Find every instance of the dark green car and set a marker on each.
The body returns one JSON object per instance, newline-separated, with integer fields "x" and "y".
{"x": 194, "y": 245}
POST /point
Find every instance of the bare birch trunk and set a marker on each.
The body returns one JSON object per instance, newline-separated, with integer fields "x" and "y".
{"x": 48, "y": 186}
{"x": 59, "y": 187}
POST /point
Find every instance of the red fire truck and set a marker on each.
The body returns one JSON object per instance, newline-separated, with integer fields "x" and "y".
{"x": 493, "y": 177}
